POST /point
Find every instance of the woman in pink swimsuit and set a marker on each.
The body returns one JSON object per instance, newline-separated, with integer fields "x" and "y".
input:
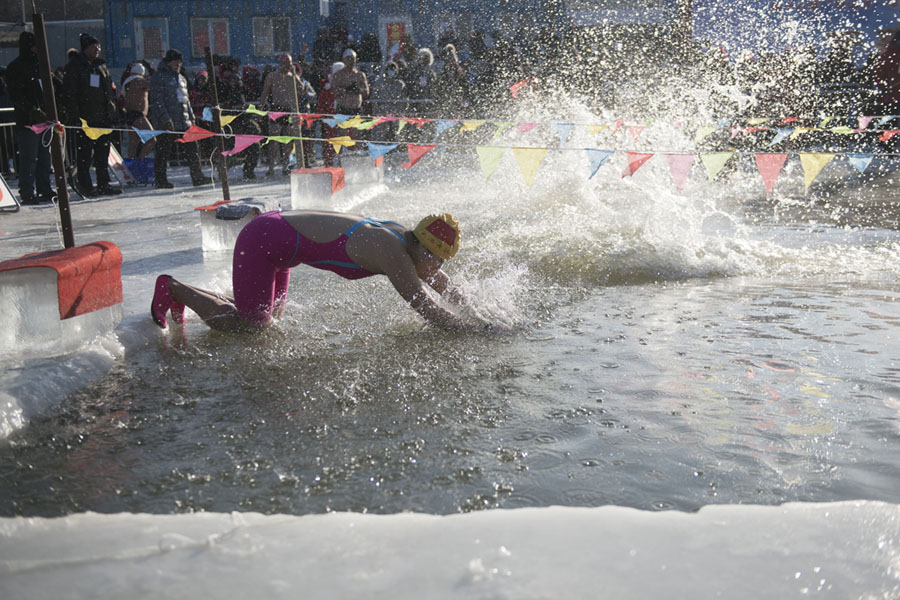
{"x": 349, "y": 245}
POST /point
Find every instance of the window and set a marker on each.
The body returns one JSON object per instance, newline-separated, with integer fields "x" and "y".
{"x": 212, "y": 33}
{"x": 152, "y": 35}
{"x": 271, "y": 35}
{"x": 324, "y": 8}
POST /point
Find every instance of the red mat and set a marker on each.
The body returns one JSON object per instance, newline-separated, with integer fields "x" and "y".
{"x": 89, "y": 277}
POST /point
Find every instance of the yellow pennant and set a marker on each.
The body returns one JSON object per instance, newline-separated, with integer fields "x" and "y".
{"x": 842, "y": 130}
{"x": 800, "y": 131}
{"x": 93, "y": 132}
{"x": 714, "y": 161}
{"x": 471, "y": 125}
{"x": 339, "y": 142}
{"x": 813, "y": 163}
{"x": 354, "y": 123}
{"x": 489, "y": 157}
{"x": 255, "y": 111}
{"x": 595, "y": 129}
{"x": 227, "y": 119}
{"x": 757, "y": 121}
{"x": 529, "y": 159}
{"x": 400, "y": 125}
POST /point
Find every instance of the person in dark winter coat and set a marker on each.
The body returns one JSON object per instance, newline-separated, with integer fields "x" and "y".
{"x": 90, "y": 96}
{"x": 23, "y": 81}
{"x": 170, "y": 110}
{"x": 232, "y": 97}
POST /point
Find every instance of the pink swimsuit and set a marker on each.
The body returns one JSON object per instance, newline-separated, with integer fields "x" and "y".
{"x": 268, "y": 247}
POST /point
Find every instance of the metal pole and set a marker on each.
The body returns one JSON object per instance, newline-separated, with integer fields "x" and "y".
{"x": 56, "y": 150}
{"x": 217, "y": 120}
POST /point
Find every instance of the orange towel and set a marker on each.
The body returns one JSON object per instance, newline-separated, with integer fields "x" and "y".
{"x": 89, "y": 277}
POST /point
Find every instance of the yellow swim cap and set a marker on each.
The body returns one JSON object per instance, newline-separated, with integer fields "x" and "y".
{"x": 439, "y": 234}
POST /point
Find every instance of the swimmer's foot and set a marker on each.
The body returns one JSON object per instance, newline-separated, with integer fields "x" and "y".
{"x": 162, "y": 302}
{"x": 178, "y": 312}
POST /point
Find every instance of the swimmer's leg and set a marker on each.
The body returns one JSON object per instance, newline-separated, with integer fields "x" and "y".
{"x": 218, "y": 311}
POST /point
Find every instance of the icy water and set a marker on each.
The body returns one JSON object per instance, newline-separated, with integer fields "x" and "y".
{"x": 670, "y": 351}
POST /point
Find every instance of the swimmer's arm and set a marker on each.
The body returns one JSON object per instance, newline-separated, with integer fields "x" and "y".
{"x": 409, "y": 286}
{"x": 441, "y": 284}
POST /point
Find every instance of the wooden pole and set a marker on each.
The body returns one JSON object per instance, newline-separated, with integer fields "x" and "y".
{"x": 217, "y": 121}
{"x": 56, "y": 149}
{"x": 301, "y": 159}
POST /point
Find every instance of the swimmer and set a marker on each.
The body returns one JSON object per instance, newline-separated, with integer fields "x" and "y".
{"x": 348, "y": 245}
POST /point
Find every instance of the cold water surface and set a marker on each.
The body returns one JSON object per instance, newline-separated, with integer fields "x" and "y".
{"x": 669, "y": 352}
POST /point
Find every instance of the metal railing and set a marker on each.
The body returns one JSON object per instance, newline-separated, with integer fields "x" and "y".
{"x": 9, "y": 155}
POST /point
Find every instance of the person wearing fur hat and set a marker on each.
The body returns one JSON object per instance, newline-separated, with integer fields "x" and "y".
{"x": 23, "y": 80}
{"x": 90, "y": 97}
{"x": 351, "y": 246}
{"x": 170, "y": 108}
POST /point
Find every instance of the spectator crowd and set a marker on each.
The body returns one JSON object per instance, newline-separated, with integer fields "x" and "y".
{"x": 485, "y": 75}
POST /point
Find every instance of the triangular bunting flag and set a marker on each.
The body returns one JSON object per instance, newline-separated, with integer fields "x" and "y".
{"x": 714, "y": 161}
{"x": 635, "y": 131}
{"x": 94, "y": 132}
{"x": 227, "y": 119}
{"x": 860, "y": 162}
{"x": 526, "y": 127}
{"x": 250, "y": 109}
{"x": 813, "y": 163}
{"x": 376, "y": 151}
{"x": 863, "y": 122}
{"x": 193, "y": 134}
{"x": 780, "y": 136}
{"x": 758, "y": 120}
{"x": 443, "y": 125}
{"x": 703, "y": 132}
{"x": 595, "y": 129}
{"x": 416, "y": 152}
{"x": 147, "y": 134}
{"x": 309, "y": 119}
{"x": 275, "y": 115}
{"x": 635, "y": 162}
{"x": 287, "y": 139}
{"x": 339, "y": 142}
{"x": 344, "y": 118}
{"x": 333, "y": 123}
{"x": 489, "y": 157}
{"x": 844, "y": 130}
{"x": 769, "y": 166}
{"x": 529, "y": 159}
{"x": 514, "y": 88}
{"x": 419, "y": 122}
{"x": 680, "y": 168}
{"x": 207, "y": 114}
{"x": 888, "y": 134}
{"x": 501, "y": 127}
{"x": 352, "y": 122}
{"x": 563, "y": 131}
{"x": 884, "y": 121}
{"x": 39, "y": 128}
{"x": 800, "y": 131}
{"x": 597, "y": 158}
{"x": 471, "y": 125}
{"x": 241, "y": 142}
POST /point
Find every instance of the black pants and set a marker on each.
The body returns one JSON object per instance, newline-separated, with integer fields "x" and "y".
{"x": 164, "y": 148}
{"x": 96, "y": 152}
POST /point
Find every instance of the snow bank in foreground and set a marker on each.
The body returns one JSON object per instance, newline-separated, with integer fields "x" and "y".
{"x": 841, "y": 550}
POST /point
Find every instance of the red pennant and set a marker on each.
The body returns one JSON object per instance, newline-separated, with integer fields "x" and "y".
{"x": 417, "y": 121}
{"x": 514, "y": 88}
{"x": 309, "y": 119}
{"x": 195, "y": 133}
{"x": 635, "y": 161}
{"x": 888, "y": 134}
{"x": 769, "y": 166}
{"x": 416, "y": 153}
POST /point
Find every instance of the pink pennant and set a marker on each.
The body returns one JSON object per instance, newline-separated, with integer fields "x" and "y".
{"x": 526, "y": 127}
{"x": 635, "y": 161}
{"x": 888, "y": 134}
{"x": 277, "y": 115}
{"x": 309, "y": 119}
{"x": 618, "y": 125}
{"x": 769, "y": 166}
{"x": 241, "y": 142}
{"x": 40, "y": 127}
{"x": 680, "y": 167}
{"x": 416, "y": 153}
{"x": 863, "y": 123}
{"x": 789, "y": 120}
{"x": 195, "y": 133}
{"x": 635, "y": 131}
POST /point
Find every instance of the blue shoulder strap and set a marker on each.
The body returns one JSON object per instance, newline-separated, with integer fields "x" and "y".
{"x": 376, "y": 223}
